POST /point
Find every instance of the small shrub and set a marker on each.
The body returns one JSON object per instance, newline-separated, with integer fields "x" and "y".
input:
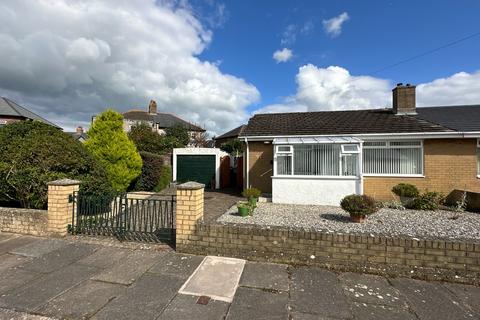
{"x": 405, "y": 190}
{"x": 427, "y": 201}
{"x": 394, "y": 204}
{"x": 359, "y": 205}
{"x": 251, "y": 193}
{"x": 165, "y": 179}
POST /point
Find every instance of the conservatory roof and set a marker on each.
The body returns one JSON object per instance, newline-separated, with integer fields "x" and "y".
{"x": 314, "y": 140}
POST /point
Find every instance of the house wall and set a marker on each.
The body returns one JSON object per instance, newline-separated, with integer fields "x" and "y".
{"x": 448, "y": 164}
{"x": 8, "y": 119}
{"x": 260, "y": 165}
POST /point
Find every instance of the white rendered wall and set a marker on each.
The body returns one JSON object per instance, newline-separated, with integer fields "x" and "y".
{"x": 316, "y": 191}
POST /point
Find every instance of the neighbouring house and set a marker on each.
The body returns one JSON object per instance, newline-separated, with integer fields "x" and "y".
{"x": 159, "y": 121}
{"x": 10, "y": 112}
{"x": 229, "y": 136}
{"x": 319, "y": 157}
{"x": 79, "y": 134}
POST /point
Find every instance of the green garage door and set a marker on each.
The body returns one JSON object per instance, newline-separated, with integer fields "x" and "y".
{"x": 196, "y": 168}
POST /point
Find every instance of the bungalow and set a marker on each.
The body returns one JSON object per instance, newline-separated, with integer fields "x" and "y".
{"x": 319, "y": 157}
{"x": 10, "y": 112}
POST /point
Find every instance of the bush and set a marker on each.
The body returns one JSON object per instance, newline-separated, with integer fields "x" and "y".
{"x": 251, "y": 193}
{"x": 147, "y": 140}
{"x": 112, "y": 148}
{"x": 33, "y": 153}
{"x": 359, "y": 205}
{"x": 397, "y": 205}
{"x": 178, "y": 135}
{"x": 427, "y": 201}
{"x": 405, "y": 190}
{"x": 165, "y": 179}
{"x": 151, "y": 172}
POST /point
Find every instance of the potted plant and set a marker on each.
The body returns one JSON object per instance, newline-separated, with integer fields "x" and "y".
{"x": 407, "y": 192}
{"x": 243, "y": 209}
{"x": 252, "y": 194}
{"x": 359, "y": 206}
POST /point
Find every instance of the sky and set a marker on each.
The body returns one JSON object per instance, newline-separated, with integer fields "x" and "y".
{"x": 216, "y": 63}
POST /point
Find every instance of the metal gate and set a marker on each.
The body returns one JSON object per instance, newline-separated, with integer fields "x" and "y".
{"x": 151, "y": 219}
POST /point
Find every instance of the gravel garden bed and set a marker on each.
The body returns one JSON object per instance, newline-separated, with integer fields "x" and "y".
{"x": 440, "y": 224}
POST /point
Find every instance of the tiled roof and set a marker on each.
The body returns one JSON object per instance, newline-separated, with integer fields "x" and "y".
{"x": 233, "y": 133}
{"x": 12, "y": 109}
{"x": 458, "y": 118}
{"x": 164, "y": 120}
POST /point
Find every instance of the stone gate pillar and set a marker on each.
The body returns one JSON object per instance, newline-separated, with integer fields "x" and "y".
{"x": 60, "y": 205}
{"x": 189, "y": 211}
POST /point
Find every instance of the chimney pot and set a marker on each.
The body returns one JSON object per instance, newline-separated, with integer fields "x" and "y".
{"x": 404, "y": 99}
{"x": 79, "y": 130}
{"x": 399, "y": 84}
{"x": 152, "y": 107}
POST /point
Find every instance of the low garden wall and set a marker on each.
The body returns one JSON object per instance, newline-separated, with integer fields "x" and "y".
{"x": 457, "y": 261}
{"x": 24, "y": 221}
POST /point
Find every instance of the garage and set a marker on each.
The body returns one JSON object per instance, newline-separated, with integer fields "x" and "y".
{"x": 197, "y": 164}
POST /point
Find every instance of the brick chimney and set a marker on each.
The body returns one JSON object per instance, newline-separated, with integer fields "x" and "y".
{"x": 79, "y": 130}
{"x": 404, "y": 99}
{"x": 152, "y": 107}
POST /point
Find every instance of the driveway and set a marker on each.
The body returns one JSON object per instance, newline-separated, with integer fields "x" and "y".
{"x": 44, "y": 278}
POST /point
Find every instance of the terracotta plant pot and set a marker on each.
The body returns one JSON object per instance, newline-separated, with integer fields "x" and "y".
{"x": 358, "y": 218}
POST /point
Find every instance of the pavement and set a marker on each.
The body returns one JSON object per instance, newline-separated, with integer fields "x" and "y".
{"x": 43, "y": 278}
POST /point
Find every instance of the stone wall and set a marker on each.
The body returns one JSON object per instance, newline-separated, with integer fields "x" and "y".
{"x": 456, "y": 261}
{"x": 24, "y": 221}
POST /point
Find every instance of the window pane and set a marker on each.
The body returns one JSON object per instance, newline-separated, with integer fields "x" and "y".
{"x": 322, "y": 160}
{"x": 284, "y": 164}
{"x": 478, "y": 160}
{"x": 349, "y": 164}
{"x": 405, "y": 143}
{"x": 284, "y": 148}
{"x": 392, "y": 160}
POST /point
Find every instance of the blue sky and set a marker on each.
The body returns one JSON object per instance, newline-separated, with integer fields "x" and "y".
{"x": 216, "y": 62}
{"x": 378, "y": 34}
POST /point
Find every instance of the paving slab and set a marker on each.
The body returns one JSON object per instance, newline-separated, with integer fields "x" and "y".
{"x": 59, "y": 258}
{"x": 371, "y": 289}
{"x": 431, "y": 300}
{"x": 308, "y": 316}
{"x": 6, "y": 236}
{"x": 14, "y": 278}
{"x": 82, "y": 301}
{"x": 146, "y": 299}
{"x": 317, "y": 291}
{"x": 178, "y": 265}
{"x": 265, "y": 276}
{"x": 468, "y": 295}
{"x": 215, "y": 277}
{"x": 15, "y": 315}
{"x": 252, "y": 303}
{"x": 39, "y": 247}
{"x": 15, "y": 242}
{"x": 129, "y": 269}
{"x": 364, "y": 311}
{"x": 105, "y": 257}
{"x": 186, "y": 307}
{"x": 8, "y": 261}
{"x": 38, "y": 292}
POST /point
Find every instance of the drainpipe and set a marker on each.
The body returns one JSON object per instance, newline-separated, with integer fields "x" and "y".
{"x": 246, "y": 164}
{"x": 360, "y": 164}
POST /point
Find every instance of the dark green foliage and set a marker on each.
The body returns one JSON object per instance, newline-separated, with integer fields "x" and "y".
{"x": 33, "y": 153}
{"x": 112, "y": 148}
{"x": 233, "y": 147}
{"x": 251, "y": 193}
{"x": 427, "y": 201}
{"x": 359, "y": 205}
{"x": 165, "y": 179}
{"x": 147, "y": 140}
{"x": 178, "y": 135}
{"x": 405, "y": 190}
{"x": 151, "y": 172}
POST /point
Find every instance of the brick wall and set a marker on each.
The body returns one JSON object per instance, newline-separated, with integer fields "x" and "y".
{"x": 260, "y": 165}
{"x": 424, "y": 259}
{"x": 448, "y": 164}
{"x": 24, "y": 221}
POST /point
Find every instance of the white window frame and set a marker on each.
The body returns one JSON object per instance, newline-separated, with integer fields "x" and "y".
{"x": 293, "y": 175}
{"x": 387, "y": 144}
{"x": 357, "y": 148}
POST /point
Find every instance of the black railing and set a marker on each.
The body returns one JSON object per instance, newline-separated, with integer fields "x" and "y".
{"x": 148, "y": 218}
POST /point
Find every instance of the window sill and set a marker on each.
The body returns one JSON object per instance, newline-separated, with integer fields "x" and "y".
{"x": 395, "y": 175}
{"x": 316, "y": 177}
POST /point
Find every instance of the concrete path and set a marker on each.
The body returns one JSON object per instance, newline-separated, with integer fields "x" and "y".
{"x": 72, "y": 279}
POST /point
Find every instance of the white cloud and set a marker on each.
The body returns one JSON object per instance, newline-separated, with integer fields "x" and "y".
{"x": 72, "y": 59}
{"x": 289, "y": 35}
{"x": 334, "y": 88}
{"x": 333, "y": 26}
{"x": 282, "y": 55}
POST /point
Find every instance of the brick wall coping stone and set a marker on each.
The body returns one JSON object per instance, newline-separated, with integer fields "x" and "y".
{"x": 64, "y": 182}
{"x": 190, "y": 185}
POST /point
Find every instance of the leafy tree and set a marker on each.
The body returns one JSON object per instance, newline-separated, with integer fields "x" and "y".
{"x": 112, "y": 148}
{"x": 233, "y": 147}
{"x": 33, "y": 153}
{"x": 178, "y": 134}
{"x": 151, "y": 171}
{"x": 147, "y": 140}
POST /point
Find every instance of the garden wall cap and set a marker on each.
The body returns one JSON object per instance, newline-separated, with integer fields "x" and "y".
{"x": 64, "y": 182}
{"x": 190, "y": 185}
